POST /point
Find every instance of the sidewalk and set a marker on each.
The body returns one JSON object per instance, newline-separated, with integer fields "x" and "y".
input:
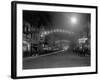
{"x": 33, "y": 57}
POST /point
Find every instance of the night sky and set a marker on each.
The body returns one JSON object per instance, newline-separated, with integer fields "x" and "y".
{"x": 75, "y": 22}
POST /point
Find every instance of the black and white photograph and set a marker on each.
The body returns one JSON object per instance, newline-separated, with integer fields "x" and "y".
{"x": 56, "y": 39}
{"x": 53, "y": 39}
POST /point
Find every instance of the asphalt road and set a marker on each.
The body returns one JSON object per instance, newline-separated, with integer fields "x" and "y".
{"x": 59, "y": 59}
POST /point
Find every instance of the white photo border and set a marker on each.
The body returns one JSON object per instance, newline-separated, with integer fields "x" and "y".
{"x": 20, "y": 6}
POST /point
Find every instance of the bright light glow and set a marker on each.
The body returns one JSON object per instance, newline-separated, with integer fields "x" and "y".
{"x": 45, "y": 32}
{"x": 41, "y": 35}
{"x": 48, "y": 32}
{"x": 73, "y": 20}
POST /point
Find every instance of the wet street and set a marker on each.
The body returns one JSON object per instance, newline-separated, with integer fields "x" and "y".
{"x": 58, "y": 59}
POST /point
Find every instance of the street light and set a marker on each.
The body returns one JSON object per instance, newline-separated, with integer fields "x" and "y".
{"x": 73, "y": 20}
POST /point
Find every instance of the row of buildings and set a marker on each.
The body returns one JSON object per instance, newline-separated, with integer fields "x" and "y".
{"x": 36, "y": 40}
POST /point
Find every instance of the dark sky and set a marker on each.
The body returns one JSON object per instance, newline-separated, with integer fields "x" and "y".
{"x": 60, "y": 20}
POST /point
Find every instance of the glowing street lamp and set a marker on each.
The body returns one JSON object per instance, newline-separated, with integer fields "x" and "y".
{"x": 73, "y": 20}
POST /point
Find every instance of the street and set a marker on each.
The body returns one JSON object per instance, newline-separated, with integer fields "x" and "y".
{"x": 59, "y": 59}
